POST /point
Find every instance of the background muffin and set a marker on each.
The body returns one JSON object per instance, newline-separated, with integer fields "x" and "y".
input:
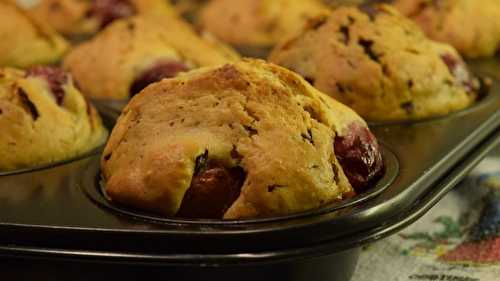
{"x": 380, "y": 64}
{"x": 44, "y": 118}
{"x": 77, "y": 17}
{"x": 244, "y": 140}
{"x": 130, "y": 54}
{"x": 471, "y": 26}
{"x": 258, "y": 23}
{"x": 25, "y": 41}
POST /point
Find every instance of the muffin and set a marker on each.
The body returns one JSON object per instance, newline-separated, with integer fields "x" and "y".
{"x": 79, "y": 17}
{"x": 379, "y": 63}
{"x": 132, "y": 53}
{"x": 44, "y": 118}
{"x": 242, "y": 140}
{"x": 471, "y": 26}
{"x": 258, "y": 23}
{"x": 24, "y": 41}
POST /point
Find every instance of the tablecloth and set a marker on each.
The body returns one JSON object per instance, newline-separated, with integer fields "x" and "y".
{"x": 457, "y": 240}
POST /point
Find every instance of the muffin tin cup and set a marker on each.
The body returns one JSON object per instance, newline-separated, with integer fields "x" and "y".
{"x": 59, "y": 212}
{"x": 95, "y": 190}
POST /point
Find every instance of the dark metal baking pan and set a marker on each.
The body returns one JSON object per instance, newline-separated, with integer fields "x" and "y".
{"x": 323, "y": 262}
{"x": 48, "y": 214}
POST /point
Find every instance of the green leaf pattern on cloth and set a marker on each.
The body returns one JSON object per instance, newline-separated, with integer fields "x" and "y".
{"x": 459, "y": 239}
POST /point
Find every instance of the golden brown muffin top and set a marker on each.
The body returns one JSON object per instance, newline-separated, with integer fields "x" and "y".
{"x": 471, "y": 26}
{"x": 258, "y": 23}
{"x": 44, "y": 118}
{"x": 25, "y": 41}
{"x": 379, "y": 63}
{"x": 251, "y": 123}
{"x": 84, "y": 17}
{"x": 109, "y": 65}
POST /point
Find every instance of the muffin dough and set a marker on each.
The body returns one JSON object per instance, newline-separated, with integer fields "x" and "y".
{"x": 108, "y": 65}
{"x": 471, "y": 26}
{"x": 25, "y": 41}
{"x": 44, "y": 118}
{"x": 250, "y": 123}
{"x": 258, "y": 23}
{"x": 380, "y": 64}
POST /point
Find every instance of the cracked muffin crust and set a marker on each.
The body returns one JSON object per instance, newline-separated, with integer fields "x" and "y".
{"x": 380, "y": 64}
{"x": 44, "y": 118}
{"x": 25, "y": 41}
{"x": 258, "y": 23}
{"x": 471, "y": 26}
{"x": 131, "y": 53}
{"x": 81, "y": 17}
{"x": 243, "y": 140}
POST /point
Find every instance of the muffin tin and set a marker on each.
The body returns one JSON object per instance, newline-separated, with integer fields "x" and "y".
{"x": 57, "y": 215}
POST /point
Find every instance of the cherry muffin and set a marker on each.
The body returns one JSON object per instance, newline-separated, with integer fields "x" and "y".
{"x": 25, "y": 41}
{"x": 471, "y": 26}
{"x": 132, "y": 53}
{"x": 378, "y": 62}
{"x": 243, "y": 140}
{"x": 258, "y": 23}
{"x": 44, "y": 118}
{"x": 80, "y": 17}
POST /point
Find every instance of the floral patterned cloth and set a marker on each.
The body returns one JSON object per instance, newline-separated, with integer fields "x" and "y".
{"x": 458, "y": 240}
